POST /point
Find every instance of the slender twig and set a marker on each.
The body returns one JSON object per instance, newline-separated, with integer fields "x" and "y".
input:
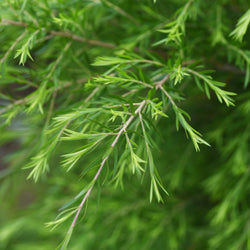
{"x": 21, "y": 101}
{"x": 51, "y": 107}
{"x": 32, "y": 18}
{"x": 122, "y": 130}
{"x": 141, "y": 82}
{"x": 13, "y": 10}
{"x": 130, "y": 92}
{"x": 159, "y": 85}
{"x": 68, "y": 84}
{"x": 168, "y": 95}
{"x": 11, "y": 22}
{"x": 82, "y": 39}
{"x": 127, "y": 123}
{"x": 87, "y": 194}
{"x": 62, "y": 130}
{"x": 101, "y": 44}
{"x": 13, "y": 46}
{"x": 162, "y": 81}
{"x": 125, "y": 104}
{"x": 156, "y": 84}
{"x": 91, "y": 95}
{"x": 44, "y": 38}
{"x": 63, "y": 34}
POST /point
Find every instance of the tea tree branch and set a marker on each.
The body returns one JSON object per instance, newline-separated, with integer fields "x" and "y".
{"x": 122, "y": 130}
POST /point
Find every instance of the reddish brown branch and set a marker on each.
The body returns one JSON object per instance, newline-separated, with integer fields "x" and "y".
{"x": 11, "y": 22}
{"x": 82, "y": 39}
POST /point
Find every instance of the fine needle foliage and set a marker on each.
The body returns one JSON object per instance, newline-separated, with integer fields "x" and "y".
{"x": 124, "y": 124}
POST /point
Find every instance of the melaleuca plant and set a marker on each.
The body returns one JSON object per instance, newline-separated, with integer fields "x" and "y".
{"x": 120, "y": 122}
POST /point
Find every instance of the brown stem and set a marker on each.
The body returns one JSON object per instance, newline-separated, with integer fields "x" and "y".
{"x": 11, "y": 22}
{"x": 82, "y": 39}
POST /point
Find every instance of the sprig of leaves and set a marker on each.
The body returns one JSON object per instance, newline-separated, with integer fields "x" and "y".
{"x": 241, "y": 27}
{"x": 24, "y": 51}
{"x": 209, "y": 83}
{"x": 176, "y": 28}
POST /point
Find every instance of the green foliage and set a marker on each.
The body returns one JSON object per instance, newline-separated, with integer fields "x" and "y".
{"x": 242, "y": 25}
{"x": 96, "y": 98}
